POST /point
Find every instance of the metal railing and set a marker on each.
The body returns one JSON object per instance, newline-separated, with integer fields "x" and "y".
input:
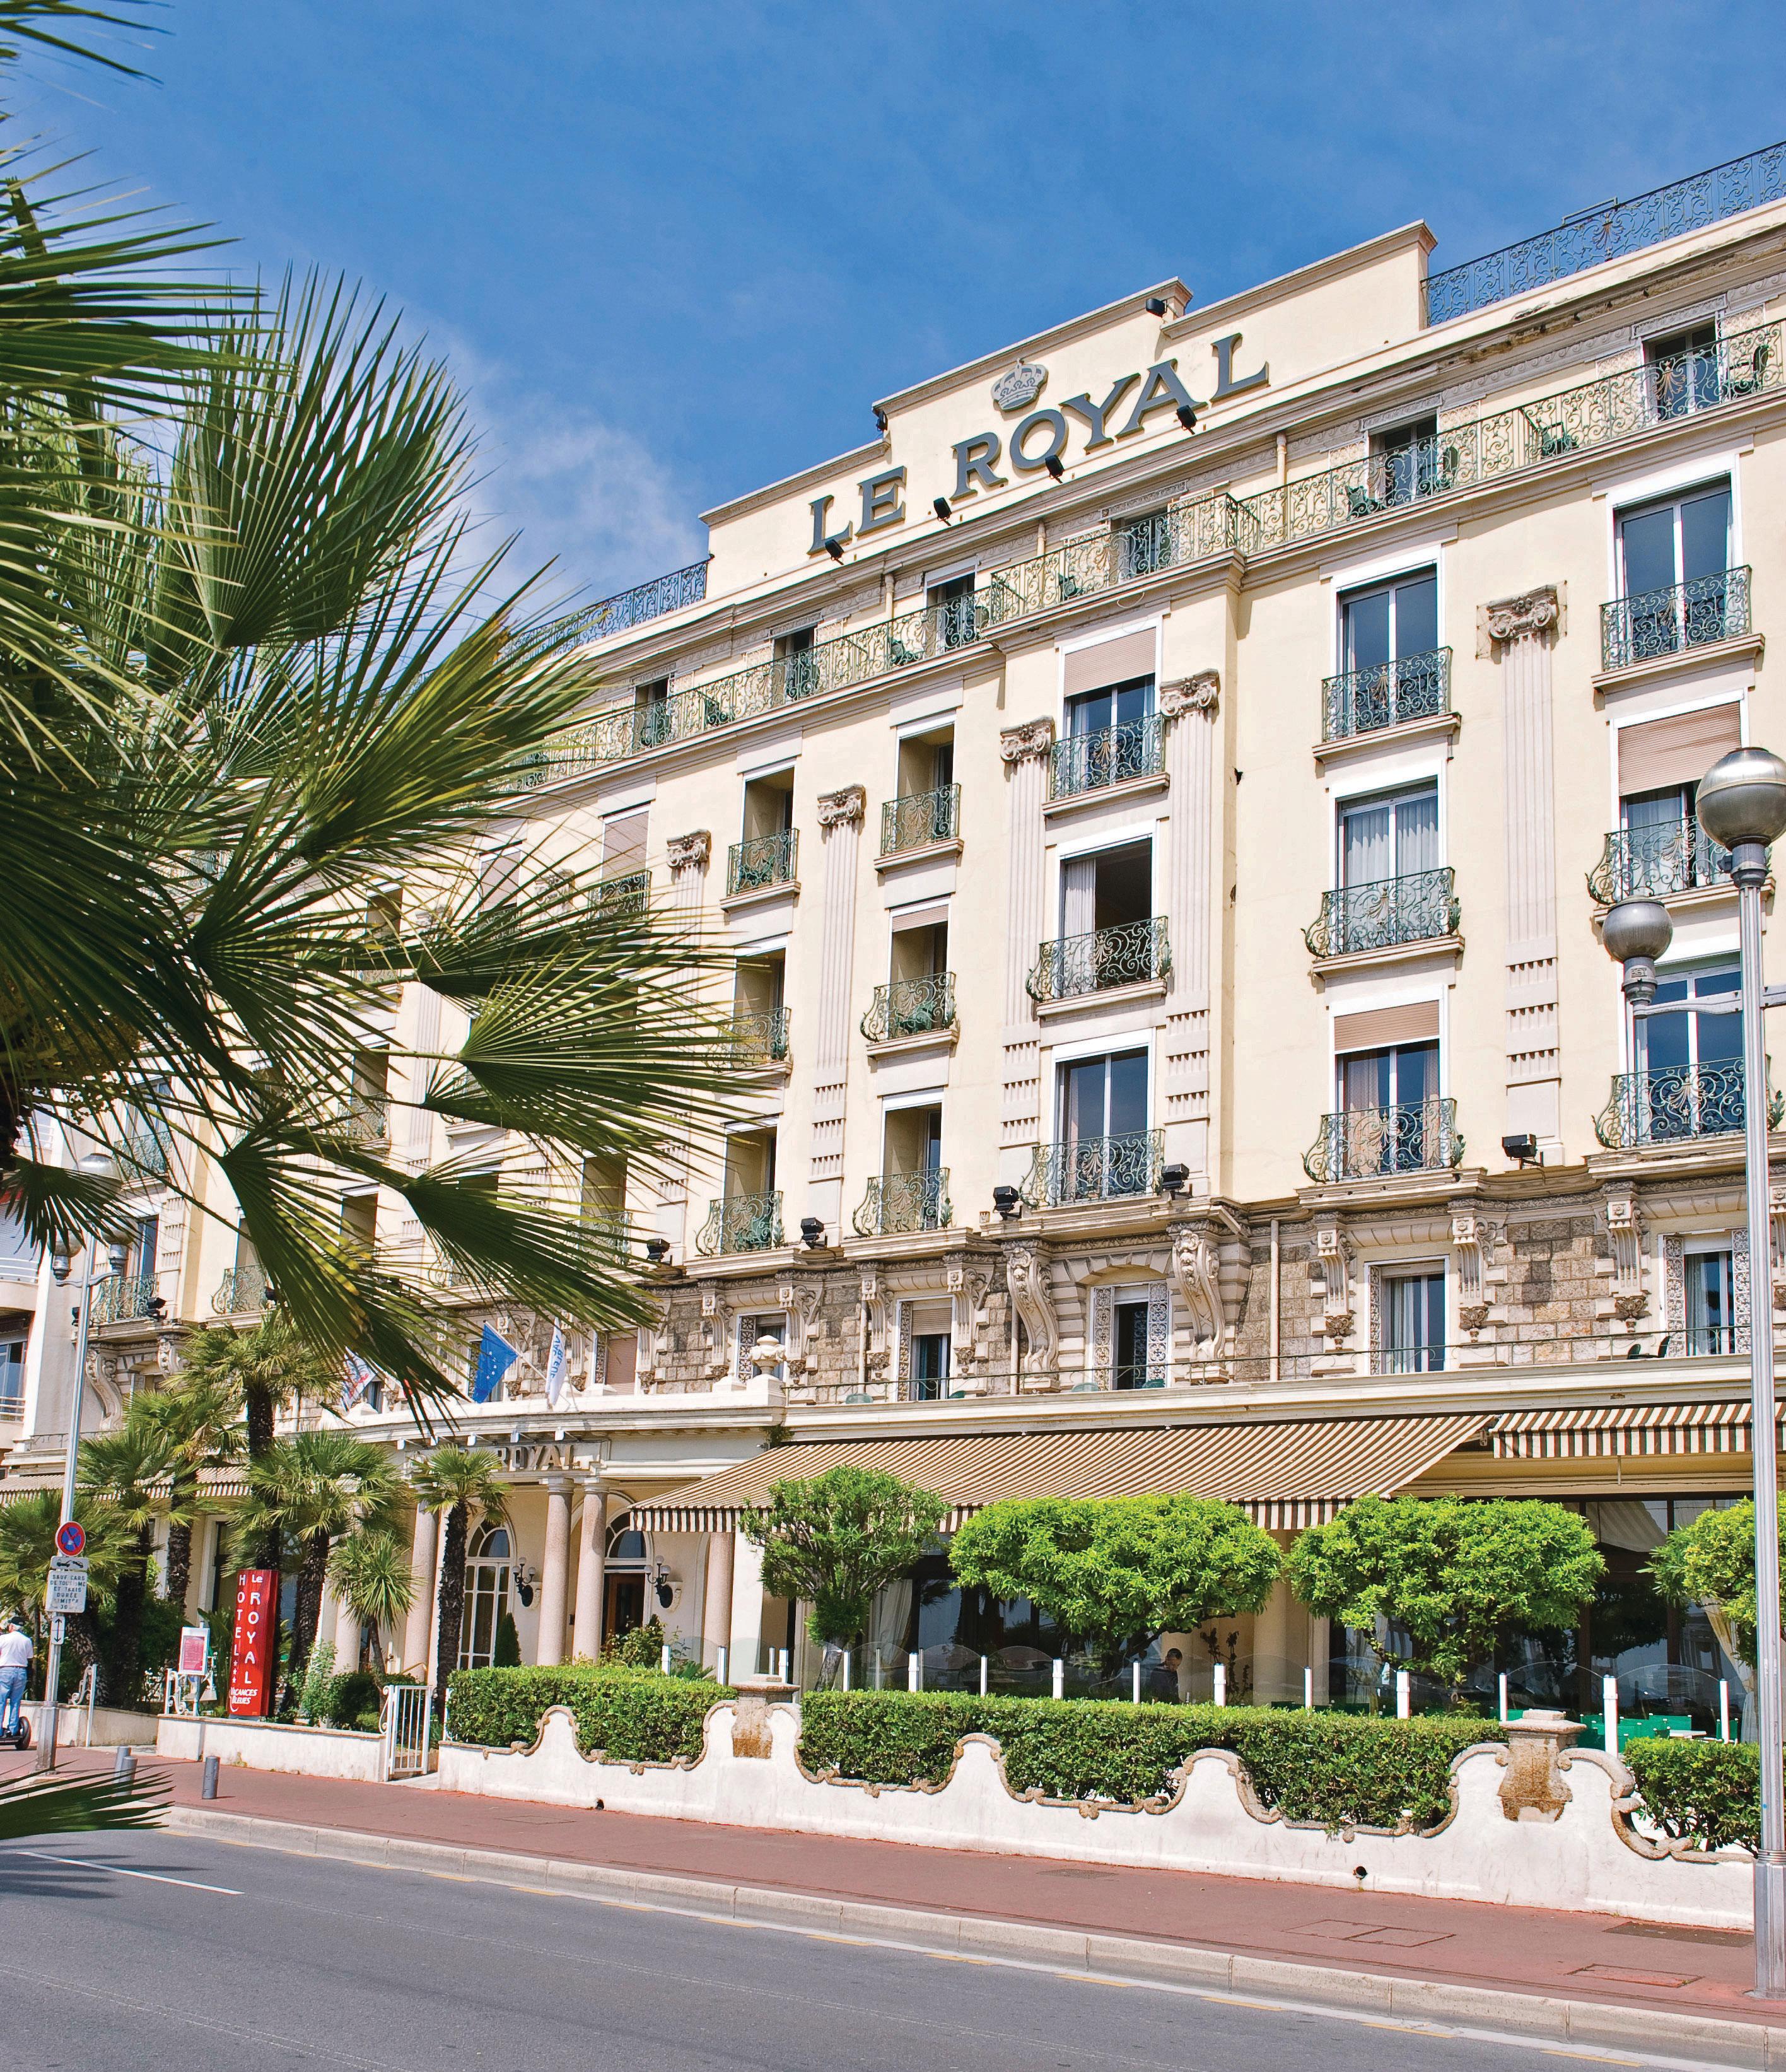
{"x": 620, "y": 898}
{"x": 122, "y": 1297}
{"x": 759, "y": 1039}
{"x": 1417, "y": 907}
{"x": 1360, "y": 701}
{"x": 645, "y": 601}
{"x": 896, "y": 1202}
{"x": 741, "y": 1223}
{"x": 1665, "y": 622}
{"x": 1368, "y": 1143}
{"x": 1088, "y": 762}
{"x": 1094, "y": 1169}
{"x": 1676, "y": 1104}
{"x": 367, "y": 1118}
{"x": 144, "y": 1147}
{"x": 768, "y": 860}
{"x": 241, "y": 1293}
{"x": 911, "y": 1007}
{"x": 1648, "y": 863}
{"x": 1596, "y": 235}
{"x": 1130, "y": 955}
{"x": 919, "y": 818}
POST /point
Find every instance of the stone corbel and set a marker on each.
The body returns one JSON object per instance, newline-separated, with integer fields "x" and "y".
{"x": 1195, "y": 1272}
{"x": 690, "y": 852}
{"x": 1027, "y": 1276}
{"x": 874, "y": 1326}
{"x": 1624, "y": 1232}
{"x": 968, "y": 1290}
{"x": 1473, "y": 1297}
{"x": 803, "y": 1300}
{"x": 102, "y": 1377}
{"x": 1333, "y": 1259}
{"x": 1022, "y": 744}
{"x": 844, "y": 808}
{"x": 1533, "y": 612}
{"x": 1200, "y": 693}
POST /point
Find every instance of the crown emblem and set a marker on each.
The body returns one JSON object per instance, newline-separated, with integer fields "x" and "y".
{"x": 1018, "y": 389}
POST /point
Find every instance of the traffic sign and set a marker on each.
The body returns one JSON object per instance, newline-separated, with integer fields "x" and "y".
{"x": 71, "y": 1538}
{"x": 68, "y": 1589}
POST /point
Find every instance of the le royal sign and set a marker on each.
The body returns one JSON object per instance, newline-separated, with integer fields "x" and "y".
{"x": 988, "y": 459}
{"x": 255, "y": 1654}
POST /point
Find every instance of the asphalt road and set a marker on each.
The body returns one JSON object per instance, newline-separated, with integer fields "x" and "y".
{"x": 128, "y": 1951}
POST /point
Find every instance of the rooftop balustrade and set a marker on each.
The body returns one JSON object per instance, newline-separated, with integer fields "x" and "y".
{"x": 646, "y": 601}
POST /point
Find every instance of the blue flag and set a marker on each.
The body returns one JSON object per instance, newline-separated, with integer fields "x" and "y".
{"x": 495, "y": 1357}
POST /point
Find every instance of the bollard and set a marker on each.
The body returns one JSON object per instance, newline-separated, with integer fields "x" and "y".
{"x": 1404, "y": 1696}
{"x": 124, "y": 1764}
{"x": 1135, "y": 1696}
{"x": 982, "y": 1676}
{"x": 913, "y": 1665}
{"x": 1060, "y": 1678}
{"x": 208, "y": 1788}
{"x": 1308, "y": 1690}
{"x": 1503, "y": 1697}
{"x": 663, "y": 1660}
{"x": 1221, "y": 1683}
{"x": 1609, "y": 1706}
{"x": 1723, "y": 1712}
{"x": 846, "y": 1669}
{"x": 725, "y": 1653}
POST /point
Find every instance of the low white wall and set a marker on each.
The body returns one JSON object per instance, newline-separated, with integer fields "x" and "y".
{"x": 1586, "y": 1860}
{"x": 113, "y": 1726}
{"x": 262, "y": 1744}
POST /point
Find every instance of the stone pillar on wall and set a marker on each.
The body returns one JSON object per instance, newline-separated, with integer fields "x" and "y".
{"x": 1024, "y": 750}
{"x": 554, "y": 1574}
{"x": 747, "y": 1605}
{"x": 419, "y": 1622}
{"x": 1519, "y": 631}
{"x": 1188, "y": 709}
{"x": 689, "y": 855}
{"x": 840, "y": 820}
{"x": 715, "y": 1611}
{"x": 592, "y": 1564}
{"x": 349, "y": 1632}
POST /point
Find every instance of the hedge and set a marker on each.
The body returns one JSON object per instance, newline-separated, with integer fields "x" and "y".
{"x": 1708, "y": 1792}
{"x": 1336, "y": 1768}
{"x": 636, "y": 1715}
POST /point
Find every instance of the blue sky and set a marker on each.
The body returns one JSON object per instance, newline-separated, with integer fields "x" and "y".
{"x": 676, "y": 250}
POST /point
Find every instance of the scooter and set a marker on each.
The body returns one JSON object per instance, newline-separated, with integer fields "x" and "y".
{"x": 20, "y": 1737}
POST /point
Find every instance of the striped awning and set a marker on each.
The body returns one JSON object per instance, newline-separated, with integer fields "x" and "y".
{"x": 1286, "y": 1475}
{"x": 1622, "y": 1428}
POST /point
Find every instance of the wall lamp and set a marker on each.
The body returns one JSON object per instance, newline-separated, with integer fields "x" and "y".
{"x": 1052, "y": 464}
{"x": 1154, "y": 305}
{"x": 1007, "y": 1202}
{"x": 1522, "y": 1151}
{"x": 879, "y": 419}
{"x": 940, "y": 505}
{"x": 1187, "y": 417}
{"x": 812, "y": 1233}
{"x": 835, "y": 549}
{"x": 1175, "y": 1179}
{"x": 657, "y": 1251}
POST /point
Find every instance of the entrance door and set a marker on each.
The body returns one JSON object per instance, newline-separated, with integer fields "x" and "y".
{"x": 626, "y": 1606}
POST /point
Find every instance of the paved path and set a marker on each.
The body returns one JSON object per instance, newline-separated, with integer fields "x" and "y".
{"x": 1576, "y": 1956}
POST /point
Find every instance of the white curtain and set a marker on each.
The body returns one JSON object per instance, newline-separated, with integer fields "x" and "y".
{"x": 1368, "y": 845}
{"x": 1417, "y": 835}
{"x": 893, "y": 1607}
{"x": 1079, "y": 895}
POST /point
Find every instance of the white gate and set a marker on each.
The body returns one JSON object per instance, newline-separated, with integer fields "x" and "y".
{"x": 406, "y": 1707}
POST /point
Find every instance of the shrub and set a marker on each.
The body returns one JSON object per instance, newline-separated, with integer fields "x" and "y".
{"x": 1333, "y": 1767}
{"x": 351, "y": 1697}
{"x": 640, "y": 1647}
{"x": 834, "y": 1541}
{"x": 507, "y": 1653}
{"x": 635, "y": 1716}
{"x": 1704, "y": 1792}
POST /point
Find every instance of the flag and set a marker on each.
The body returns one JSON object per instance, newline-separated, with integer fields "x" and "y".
{"x": 557, "y": 1365}
{"x": 360, "y": 1377}
{"x": 495, "y": 1357}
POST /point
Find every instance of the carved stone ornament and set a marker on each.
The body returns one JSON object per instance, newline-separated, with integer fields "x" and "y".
{"x": 1196, "y": 1272}
{"x": 1536, "y": 611}
{"x": 1624, "y": 1233}
{"x": 1199, "y": 693}
{"x": 1333, "y": 1256}
{"x": 1026, "y": 1275}
{"x": 690, "y": 852}
{"x": 1021, "y": 744}
{"x": 838, "y": 809}
{"x": 1473, "y": 1317}
{"x": 1018, "y": 389}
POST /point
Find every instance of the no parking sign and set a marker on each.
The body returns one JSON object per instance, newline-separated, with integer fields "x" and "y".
{"x": 71, "y": 1539}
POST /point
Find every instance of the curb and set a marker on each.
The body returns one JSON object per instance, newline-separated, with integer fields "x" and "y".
{"x": 1711, "y": 2040}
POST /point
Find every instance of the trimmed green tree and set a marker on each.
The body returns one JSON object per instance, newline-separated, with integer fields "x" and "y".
{"x": 1454, "y": 1576}
{"x": 1111, "y": 1571}
{"x": 1711, "y": 1562}
{"x": 833, "y": 1541}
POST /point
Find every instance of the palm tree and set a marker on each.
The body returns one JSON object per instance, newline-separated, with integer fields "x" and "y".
{"x": 27, "y": 1541}
{"x": 126, "y": 1472}
{"x": 457, "y": 1480}
{"x": 311, "y": 1489}
{"x": 369, "y": 1572}
{"x": 198, "y": 1422}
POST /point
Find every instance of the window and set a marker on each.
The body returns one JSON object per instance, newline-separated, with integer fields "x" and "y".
{"x": 1407, "y": 462}
{"x": 929, "y": 1366}
{"x": 1711, "y": 1303}
{"x": 1690, "y": 1064}
{"x": 651, "y": 712}
{"x": 759, "y": 1012}
{"x": 1683, "y": 370}
{"x": 1413, "y": 1321}
{"x": 486, "y": 1585}
{"x": 956, "y": 611}
{"x": 797, "y": 667}
{"x": 1390, "y": 666}
{"x": 1111, "y": 888}
{"x": 1106, "y": 1146}
{"x": 145, "y": 1242}
{"x": 765, "y": 855}
{"x": 1674, "y": 571}
{"x": 1109, "y": 738}
{"x": 18, "y": 1256}
{"x": 1143, "y": 545}
{"x": 623, "y": 1587}
{"x": 752, "y": 1330}
{"x": 1130, "y": 1333}
{"x": 12, "y": 1376}
{"x": 1394, "y": 835}
{"x": 1390, "y": 1118}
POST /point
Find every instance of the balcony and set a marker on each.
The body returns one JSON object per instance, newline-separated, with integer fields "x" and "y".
{"x": 898, "y": 1203}
{"x": 1094, "y": 1169}
{"x": 1364, "y": 700}
{"x": 1669, "y": 622}
{"x": 367, "y": 1119}
{"x": 741, "y": 1223}
{"x": 241, "y": 1293}
{"x": 911, "y": 1007}
{"x": 759, "y": 1039}
{"x": 1676, "y": 1104}
{"x": 621, "y": 898}
{"x": 1374, "y": 1143}
{"x": 919, "y": 819}
{"x": 1091, "y": 761}
{"x": 644, "y": 601}
{"x": 1650, "y": 863}
{"x": 755, "y": 866}
{"x": 123, "y": 1299}
{"x": 1071, "y": 966}
{"x": 1418, "y": 907}
{"x": 143, "y": 1147}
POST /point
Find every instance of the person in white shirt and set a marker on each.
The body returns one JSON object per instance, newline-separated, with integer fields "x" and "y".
{"x": 15, "y": 1658}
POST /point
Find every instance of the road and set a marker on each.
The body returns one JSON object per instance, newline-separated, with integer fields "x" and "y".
{"x": 133, "y": 1950}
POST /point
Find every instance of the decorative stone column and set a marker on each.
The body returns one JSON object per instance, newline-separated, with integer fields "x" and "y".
{"x": 840, "y": 816}
{"x": 747, "y": 1605}
{"x": 1188, "y": 710}
{"x": 689, "y": 855}
{"x": 1519, "y": 630}
{"x": 591, "y": 1564}
{"x": 418, "y": 1622}
{"x": 1533, "y": 1788}
{"x": 349, "y": 1631}
{"x": 1024, "y": 751}
{"x": 554, "y": 1573}
{"x": 715, "y": 1611}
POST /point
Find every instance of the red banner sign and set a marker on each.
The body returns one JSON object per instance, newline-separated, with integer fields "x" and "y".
{"x": 255, "y": 1656}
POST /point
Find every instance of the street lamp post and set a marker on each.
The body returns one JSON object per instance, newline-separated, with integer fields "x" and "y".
{"x": 1742, "y": 806}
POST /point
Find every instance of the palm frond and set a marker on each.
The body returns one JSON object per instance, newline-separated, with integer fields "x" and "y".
{"x": 71, "y": 1806}
{"x": 24, "y": 20}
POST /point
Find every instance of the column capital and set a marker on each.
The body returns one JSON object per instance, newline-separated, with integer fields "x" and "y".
{"x": 557, "y": 1485}
{"x": 690, "y": 852}
{"x": 1533, "y": 611}
{"x": 1198, "y": 693}
{"x": 844, "y": 808}
{"x": 1022, "y": 744}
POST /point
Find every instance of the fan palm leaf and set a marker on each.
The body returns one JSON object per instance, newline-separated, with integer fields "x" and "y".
{"x": 70, "y": 1806}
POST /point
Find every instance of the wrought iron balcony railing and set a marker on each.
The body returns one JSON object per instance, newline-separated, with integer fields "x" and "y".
{"x": 1368, "y": 1143}
{"x": 620, "y": 898}
{"x": 1649, "y": 863}
{"x": 759, "y": 1039}
{"x": 741, "y": 1223}
{"x": 921, "y": 818}
{"x": 1411, "y": 687}
{"x": 767, "y": 861}
{"x": 645, "y": 601}
{"x": 367, "y": 1118}
{"x": 1416, "y": 908}
{"x": 144, "y": 1146}
{"x": 1676, "y": 1104}
{"x": 1130, "y": 955}
{"x": 1089, "y": 762}
{"x": 1598, "y": 235}
{"x": 1665, "y": 622}
{"x": 123, "y": 1297}
{"x": 911, "y": 1007}
{"x": 1094, "y": 1169}
{"x": 242, "y": 1293}
{"x": 896, "y": 1202}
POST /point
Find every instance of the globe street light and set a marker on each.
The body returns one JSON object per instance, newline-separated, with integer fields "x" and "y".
{"x": 1742, "y": 806}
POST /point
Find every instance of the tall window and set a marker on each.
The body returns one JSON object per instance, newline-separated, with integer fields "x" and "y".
{"x": 1103, "y": 1127}
{"x": 1389, "y": 621}
{"x": 1691, "y": 1062}
{"x": 1674, "y": 564}
{"x": 929, "y": 1366}
{"x": 1711, "y": 1303}
{"x": 1390, "y": 1118}
{"x": 956, "y": 611}
{"x": 1413, "y": 1308}
{"x": 1129, "y": 1326}
{"x": 486, "y": 1585}
{"x": 12, "y": 1376}
{"x": 797, "y": 664}
{"x": 1683, "y": 370}
{"x": 1391, "y": 835}
{"x": 1409, "y": 464}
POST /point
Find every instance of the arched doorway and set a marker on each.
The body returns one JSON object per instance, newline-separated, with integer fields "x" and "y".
{"x": 626, "y": 1573}
{"x": 487, "y": 1563}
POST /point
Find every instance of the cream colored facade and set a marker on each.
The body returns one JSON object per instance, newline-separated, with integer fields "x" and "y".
{"x": 872, "y": 759}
